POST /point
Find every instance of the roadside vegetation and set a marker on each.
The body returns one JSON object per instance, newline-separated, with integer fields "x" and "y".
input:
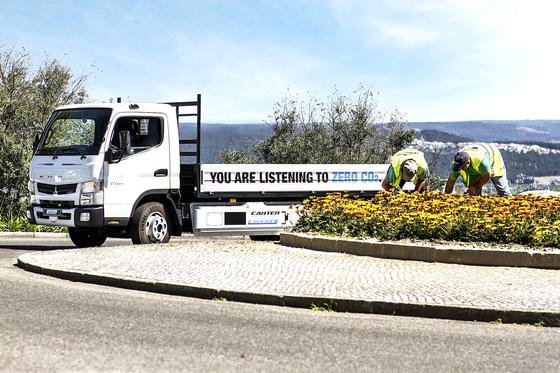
{"x": 28, "y": 95}
{"x": 329, "y": 306}
{"x": 20, "y": 224}
{"x": 338, "y": 129}
{"x": 526, "y": 220}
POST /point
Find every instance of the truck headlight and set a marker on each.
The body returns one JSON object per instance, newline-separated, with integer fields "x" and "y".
{"x": 91, "y": 193}
{"x": 92, "y": 186}
{"x": 31, "y": 189}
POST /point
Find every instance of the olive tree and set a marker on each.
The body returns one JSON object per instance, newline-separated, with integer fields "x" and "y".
{"x": 27, "y": 97}
{"x": 340, "y": 129}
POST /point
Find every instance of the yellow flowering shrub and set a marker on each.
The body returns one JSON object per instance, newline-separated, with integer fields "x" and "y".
{"x": 528, "y": 220}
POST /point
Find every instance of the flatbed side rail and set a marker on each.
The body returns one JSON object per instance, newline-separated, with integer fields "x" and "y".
{"x": 188, "y": 168}
{"x": 181, "y": 114}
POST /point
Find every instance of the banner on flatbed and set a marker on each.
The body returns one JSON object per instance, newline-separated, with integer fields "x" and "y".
{"x": 268, "y": 178}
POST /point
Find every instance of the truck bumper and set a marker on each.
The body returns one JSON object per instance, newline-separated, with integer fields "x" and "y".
{"x": 80, "y": 217}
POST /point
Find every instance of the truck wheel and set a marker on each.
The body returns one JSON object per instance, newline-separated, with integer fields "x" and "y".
{"x": 150, "y": 224}
{"x": 87, "y": 237}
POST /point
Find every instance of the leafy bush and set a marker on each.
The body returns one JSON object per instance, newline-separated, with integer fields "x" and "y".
{"x": 527, "y": 220}
{"x": 27, "y": 97}
{"x": 339, "y": 129}
{"x": 20, "y": 224}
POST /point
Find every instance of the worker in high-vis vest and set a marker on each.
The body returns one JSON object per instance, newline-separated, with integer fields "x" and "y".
{"x": 407, "y": 165}
{"x": 476, "y": 164}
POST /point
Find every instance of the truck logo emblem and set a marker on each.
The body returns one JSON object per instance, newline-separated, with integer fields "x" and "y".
{"x": 55, "y": 191}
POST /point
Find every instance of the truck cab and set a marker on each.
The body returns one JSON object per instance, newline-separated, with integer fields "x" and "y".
{"x": 98, "y": 167}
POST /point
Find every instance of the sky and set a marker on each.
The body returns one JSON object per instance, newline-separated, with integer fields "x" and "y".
{"x": 442, "y": 60}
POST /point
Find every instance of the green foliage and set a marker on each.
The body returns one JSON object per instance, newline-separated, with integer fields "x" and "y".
{"x": 342, "y": 129}
{"x": 27, "y": 97}
{"x": 17, "y": 224}
{"x": 20, "y": 224}
{"x": 232, "y": 155}
{"x": 325, "y": 307}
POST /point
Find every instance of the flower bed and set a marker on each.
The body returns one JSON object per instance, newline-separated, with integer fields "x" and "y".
{"x": 526, "y": 220}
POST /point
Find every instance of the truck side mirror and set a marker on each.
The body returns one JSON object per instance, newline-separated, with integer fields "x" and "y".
{"x": 125, "y": 143}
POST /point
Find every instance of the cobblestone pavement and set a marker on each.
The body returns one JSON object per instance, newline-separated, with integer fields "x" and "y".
{"x": 270, "y": 268}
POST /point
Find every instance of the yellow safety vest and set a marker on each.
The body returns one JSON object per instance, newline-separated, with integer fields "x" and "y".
{"x": 476, "y": 154}
{"x": 404, "y": 155}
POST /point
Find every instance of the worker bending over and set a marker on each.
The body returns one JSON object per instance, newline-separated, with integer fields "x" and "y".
{"x": 407, "y": 165}
{"x": 476, "y": 164}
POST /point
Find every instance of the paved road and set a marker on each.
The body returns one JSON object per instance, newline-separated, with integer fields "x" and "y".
{"x": 270, "y": 273}
{"x": 60, "y": 325}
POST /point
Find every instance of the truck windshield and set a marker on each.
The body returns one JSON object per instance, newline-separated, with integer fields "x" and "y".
{"x": 74, "y": 132}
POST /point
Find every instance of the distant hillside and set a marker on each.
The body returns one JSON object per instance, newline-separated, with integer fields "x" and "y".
{"x": 436, "y": 135}
{"x": 217, "y": 137}
{"x": 520, "y": 158}
{"x": 525, "y": 150}
{"x": 511, "y": 130}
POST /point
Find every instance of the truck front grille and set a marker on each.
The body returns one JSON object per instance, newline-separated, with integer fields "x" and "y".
{"x": 56, "y": 204}
{"x": 56, "y": 189}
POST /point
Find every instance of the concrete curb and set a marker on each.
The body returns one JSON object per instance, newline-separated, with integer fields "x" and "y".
{"x": 34, "y": 235}
{"x": 47, "y": 235}
{"x": 425, "y": 252}
{"x": 340, "y": 305}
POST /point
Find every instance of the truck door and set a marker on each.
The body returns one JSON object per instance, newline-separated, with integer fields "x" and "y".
{"x": 144, "y": 170}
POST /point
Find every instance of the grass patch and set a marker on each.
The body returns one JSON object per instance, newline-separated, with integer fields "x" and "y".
{"x": 325, "y": 307}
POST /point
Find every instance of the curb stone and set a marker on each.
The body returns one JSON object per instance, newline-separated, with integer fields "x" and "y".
{"x": 65, "y": 235}
{"x": 425, "y": 252}
{"x": 34, "y": 235}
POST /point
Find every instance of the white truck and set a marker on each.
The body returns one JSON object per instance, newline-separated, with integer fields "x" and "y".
{"x": 123, "y": 170}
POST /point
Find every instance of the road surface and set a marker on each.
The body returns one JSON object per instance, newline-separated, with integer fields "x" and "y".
{"x": 47, "y": 323}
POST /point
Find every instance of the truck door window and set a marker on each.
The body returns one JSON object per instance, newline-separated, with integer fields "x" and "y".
{"x": 145, "y": 132}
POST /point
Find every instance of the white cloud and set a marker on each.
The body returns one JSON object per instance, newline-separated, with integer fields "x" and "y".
{"x": 433, "y": 60}
{"x": 495, "y": 58}
{"x": 402, "y": 24}
{"x": 240, "y": 82}
{"x": 404, "y": 35}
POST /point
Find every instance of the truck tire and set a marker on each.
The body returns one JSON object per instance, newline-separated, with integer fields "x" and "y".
{"x": 150, "y": 224}
{"x": 87, "y": 237}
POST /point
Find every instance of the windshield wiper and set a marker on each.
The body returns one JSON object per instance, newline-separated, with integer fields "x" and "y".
{"x": 53, "y": 153}
{"x": 80, "y": 151}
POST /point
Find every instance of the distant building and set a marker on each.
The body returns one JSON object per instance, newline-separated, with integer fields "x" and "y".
{"x": 524, "y": 179}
